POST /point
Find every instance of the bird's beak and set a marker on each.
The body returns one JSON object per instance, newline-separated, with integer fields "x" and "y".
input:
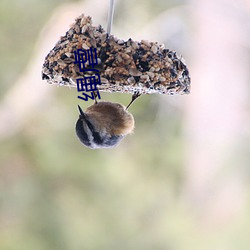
{"x": 82, "y": 115}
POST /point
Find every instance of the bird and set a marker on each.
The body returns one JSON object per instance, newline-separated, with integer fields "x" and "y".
{"x": 104, "y": 124}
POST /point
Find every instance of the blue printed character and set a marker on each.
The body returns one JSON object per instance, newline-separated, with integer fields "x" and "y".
{"x": 82, "y": 56}
{"x": 88, "y": 84}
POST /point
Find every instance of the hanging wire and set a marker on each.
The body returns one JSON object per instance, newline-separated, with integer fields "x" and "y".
{"x": 110, "y": 15}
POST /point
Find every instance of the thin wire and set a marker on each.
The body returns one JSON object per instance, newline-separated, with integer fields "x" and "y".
{"x": 110, "y": 15}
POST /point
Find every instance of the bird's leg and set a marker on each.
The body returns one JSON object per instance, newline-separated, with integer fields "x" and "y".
{"x": 95, "y": 95}
{"x": 134, "y": 97}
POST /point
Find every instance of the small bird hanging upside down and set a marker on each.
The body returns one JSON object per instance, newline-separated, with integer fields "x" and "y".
{"x": 104, "y": 124}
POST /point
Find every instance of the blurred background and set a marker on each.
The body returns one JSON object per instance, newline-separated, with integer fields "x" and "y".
{"x": 180, "y": 182}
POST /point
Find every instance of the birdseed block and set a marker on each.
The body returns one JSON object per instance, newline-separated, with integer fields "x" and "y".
{"x": 124, "y": 66}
